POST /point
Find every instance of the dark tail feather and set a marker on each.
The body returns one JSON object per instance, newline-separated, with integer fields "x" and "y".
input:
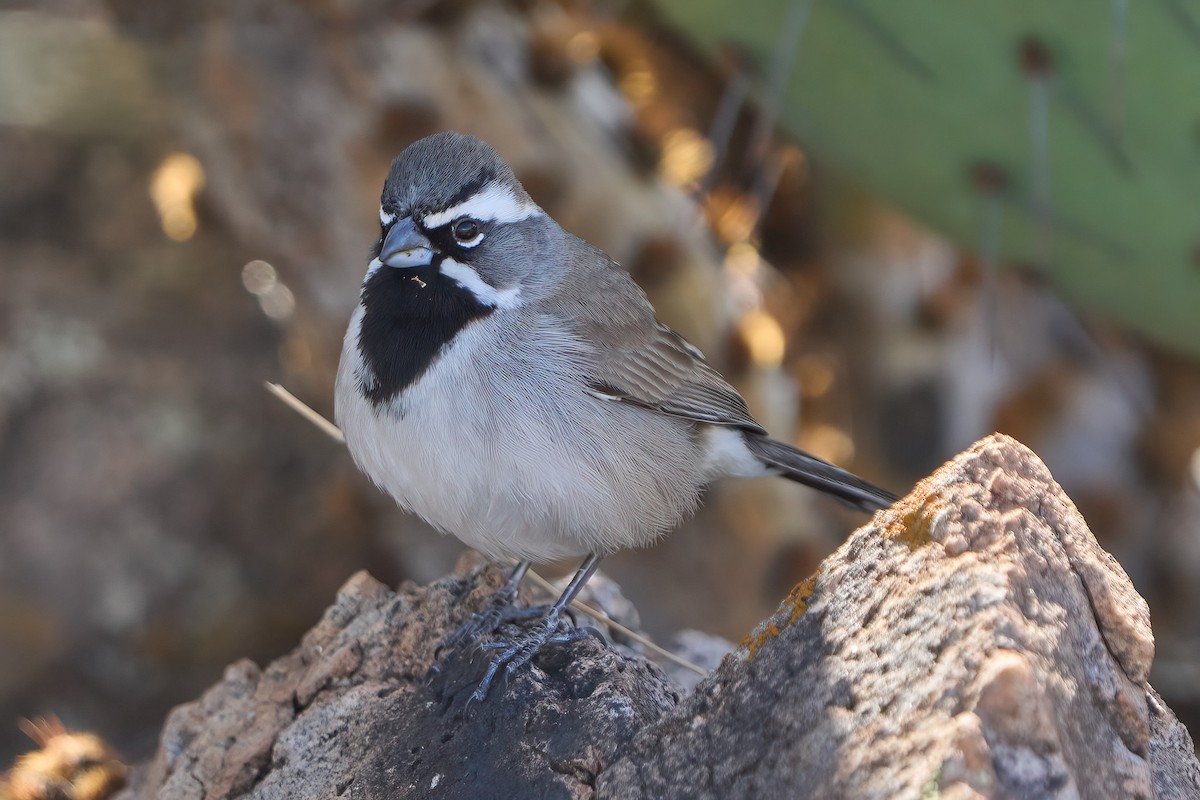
{"x": 812, "y": 471}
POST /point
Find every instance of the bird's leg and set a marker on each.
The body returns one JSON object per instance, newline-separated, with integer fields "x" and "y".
{"x": 499, "y": 609}
{"x": 520, "y": 651}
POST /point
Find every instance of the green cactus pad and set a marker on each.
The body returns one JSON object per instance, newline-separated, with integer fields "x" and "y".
{"x": 906, "y": 97}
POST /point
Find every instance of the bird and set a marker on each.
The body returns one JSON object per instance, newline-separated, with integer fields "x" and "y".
{"x": 510, "y": 384}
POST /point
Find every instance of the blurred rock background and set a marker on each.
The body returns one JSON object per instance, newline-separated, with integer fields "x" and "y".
{"x": 187, "y": 195}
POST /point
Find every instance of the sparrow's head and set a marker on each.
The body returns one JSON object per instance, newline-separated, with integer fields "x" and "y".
{"x": 452, "y": 205}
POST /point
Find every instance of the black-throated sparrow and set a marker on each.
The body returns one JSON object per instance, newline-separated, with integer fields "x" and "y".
{"x": 509, "y": 383}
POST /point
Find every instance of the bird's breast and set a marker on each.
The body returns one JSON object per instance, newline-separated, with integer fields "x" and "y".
{"x": 410, "y": 317}
{"x": 498, "y": 444}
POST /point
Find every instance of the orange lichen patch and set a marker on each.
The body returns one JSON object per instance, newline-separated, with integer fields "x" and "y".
{"x": 798, "y": 600}
{"x": 799, "y": 595}
{"x": 70, "y": 765}
{"x": 756, "y": 640}
{"x": 911, "y": 520}
{"x": 913, "y": 529}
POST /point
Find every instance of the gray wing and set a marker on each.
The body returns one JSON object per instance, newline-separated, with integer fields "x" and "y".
{"x": 636, "y": 359}
{"x": 669, "y": 375}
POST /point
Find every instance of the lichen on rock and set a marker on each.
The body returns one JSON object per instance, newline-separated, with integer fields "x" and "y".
{"x": 1010, "y": 661}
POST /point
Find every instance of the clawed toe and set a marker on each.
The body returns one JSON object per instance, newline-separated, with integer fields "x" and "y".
{"x": 477, "y": 625}
{"x": 572, "y": 635}
{"x": 499, "y": 609}
{"x": 521, "y": 650}
{"x": 514, "y": 613}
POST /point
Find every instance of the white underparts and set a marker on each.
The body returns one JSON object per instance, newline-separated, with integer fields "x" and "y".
{"x": 492, "y": 203}
{"x": 487, "y": 294}
{"x": 728, "y": 456}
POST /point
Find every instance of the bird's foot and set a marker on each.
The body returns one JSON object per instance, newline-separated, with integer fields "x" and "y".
{"x": 500, "y": 609}
{"x": 521, "y": 650}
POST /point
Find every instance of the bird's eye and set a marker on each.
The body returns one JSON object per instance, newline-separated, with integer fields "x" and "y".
{"x": 466, "y": 229}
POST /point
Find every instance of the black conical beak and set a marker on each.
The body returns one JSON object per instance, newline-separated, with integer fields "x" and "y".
{"x": 404, "y": 246}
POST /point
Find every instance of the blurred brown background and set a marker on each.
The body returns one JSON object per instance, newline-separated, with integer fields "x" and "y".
{"x": 188, "y": 193}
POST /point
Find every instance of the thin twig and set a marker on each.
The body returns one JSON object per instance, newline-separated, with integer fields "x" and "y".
{"x": 331, "y": 430}
{"x": 612, "y": 624}
{"x": 306, "y": 411}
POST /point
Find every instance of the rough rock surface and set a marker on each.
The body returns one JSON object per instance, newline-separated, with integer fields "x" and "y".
{"x": 353, "y": 712}
{"x": 973, "y": 641}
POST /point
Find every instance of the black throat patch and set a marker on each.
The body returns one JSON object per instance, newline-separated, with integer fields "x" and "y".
{"x": 409, "y": 317}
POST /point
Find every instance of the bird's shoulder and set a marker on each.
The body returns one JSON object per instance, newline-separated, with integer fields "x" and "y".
{"x": 630, "y": 356}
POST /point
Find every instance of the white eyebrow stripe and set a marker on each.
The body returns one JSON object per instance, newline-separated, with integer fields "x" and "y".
{"x": 493, "y": 203}
{"x": 487, "y": 294}
{"x": 385, "y": 218}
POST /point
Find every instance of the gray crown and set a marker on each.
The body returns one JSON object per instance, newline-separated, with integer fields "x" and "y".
{"x": 444, "y": 169}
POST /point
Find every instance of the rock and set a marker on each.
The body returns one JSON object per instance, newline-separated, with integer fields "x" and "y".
{"x": 972, "y": 641}
{"x": 350, "y": 713}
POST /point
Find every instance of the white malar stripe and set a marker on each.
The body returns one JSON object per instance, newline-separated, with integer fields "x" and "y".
{"x": 385, "y": 218}
{"x": 373, "y": 265}
{"x": 492, "y": 203}
{"x": 486, "y": 293}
